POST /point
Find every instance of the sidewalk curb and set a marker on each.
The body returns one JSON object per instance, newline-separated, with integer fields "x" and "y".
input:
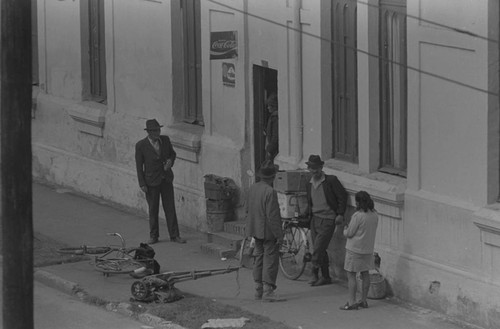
{"x": 123, "y": 308}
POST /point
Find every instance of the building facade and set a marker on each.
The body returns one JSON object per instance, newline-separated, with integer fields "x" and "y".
{"x": 400, "y": 97}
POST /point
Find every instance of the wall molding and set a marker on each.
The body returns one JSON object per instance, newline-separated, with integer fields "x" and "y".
{"x": 488, "y": 221}
{"x": 89, "y": 117}
{"x": 186, "y": 140}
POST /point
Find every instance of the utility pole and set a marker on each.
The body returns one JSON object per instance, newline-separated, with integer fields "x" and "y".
{"x": 15, "y": 163}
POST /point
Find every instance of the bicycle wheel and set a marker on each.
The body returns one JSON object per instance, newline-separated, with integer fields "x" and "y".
{"x": 82, "y": 250}
{"x": 117, "y": 266}
{"x": 294, "y": 252}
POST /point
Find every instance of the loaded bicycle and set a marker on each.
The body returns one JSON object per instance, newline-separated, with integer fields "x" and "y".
{"x": 294, "y": 253}
{"x": 115, "y": 259}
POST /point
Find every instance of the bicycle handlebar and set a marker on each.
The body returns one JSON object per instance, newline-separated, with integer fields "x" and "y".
{"x": 118, "y": 235}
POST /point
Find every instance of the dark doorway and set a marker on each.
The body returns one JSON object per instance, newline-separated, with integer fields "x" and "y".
{"x": 265, "y": 82}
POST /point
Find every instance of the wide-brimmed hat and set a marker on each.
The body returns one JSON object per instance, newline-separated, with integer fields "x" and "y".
{"x": 152, "y": 125}
{"x": 315, "y": 161}
{"x": 267, "y": 169}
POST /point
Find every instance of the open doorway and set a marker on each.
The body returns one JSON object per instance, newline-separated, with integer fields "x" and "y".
{"x": 265, "y": 83}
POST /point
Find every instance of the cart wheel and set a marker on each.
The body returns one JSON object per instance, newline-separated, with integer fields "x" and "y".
{"x": 140, "y": 290}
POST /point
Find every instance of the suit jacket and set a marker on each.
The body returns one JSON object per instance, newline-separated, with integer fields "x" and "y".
{"x": 335, "y": 194}
{"x": 149, "y": 164}
{"x": 263, "y": 212}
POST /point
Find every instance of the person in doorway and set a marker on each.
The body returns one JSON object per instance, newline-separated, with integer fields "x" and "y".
{"x": 154, "y": 158}
{"x": 326, "y": 204}
{"x": 360, "y": 234}
{"x": 272, "y": 127}
{"x": 264, "y": 225}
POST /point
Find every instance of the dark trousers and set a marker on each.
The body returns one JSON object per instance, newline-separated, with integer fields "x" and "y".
{"x": 265, "y": 268}
{"x": 321, "y": 235}
{"x": 166, "y": 191}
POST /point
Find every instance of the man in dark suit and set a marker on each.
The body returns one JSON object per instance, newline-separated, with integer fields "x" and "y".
{"x": 154, "y": 158}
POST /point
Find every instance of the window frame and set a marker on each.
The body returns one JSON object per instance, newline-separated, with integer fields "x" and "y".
{"x": 344, "y": 80}
{"x": 393, "y": 87}
{"x": 93, "y": 51}
{"x": 191, "y": 40}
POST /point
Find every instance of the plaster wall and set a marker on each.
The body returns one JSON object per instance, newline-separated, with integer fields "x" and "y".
{"x": 449, "y": 290}
{"x": 316, "y": 121}
{"x": 447, "y": 103}
{"x": 440, "y": 258}
{"x": 142, "y": 59}
{"x": 223, "y": 105}
{"x": 442, "y": 230}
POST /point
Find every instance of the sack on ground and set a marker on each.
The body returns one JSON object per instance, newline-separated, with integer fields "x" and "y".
{"x": 146, "y": 252}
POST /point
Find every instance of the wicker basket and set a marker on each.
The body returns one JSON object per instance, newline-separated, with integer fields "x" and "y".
{"x": 378, "y": 286}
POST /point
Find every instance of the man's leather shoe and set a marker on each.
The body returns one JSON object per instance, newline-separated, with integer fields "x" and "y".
{"x": 153, "y": 241}
{"x": 322, "y": 281}
{"x": 272, "y": 296}
{"x": 178, "y": 240}
{"x": 313, "y": 280}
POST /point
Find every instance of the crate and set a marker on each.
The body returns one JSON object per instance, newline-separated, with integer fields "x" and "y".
{"x": 217, "y": 192}
{"x": 288, "y": 203}
{"x": 291, "y": 181}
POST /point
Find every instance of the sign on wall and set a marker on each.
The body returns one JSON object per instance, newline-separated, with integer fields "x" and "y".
{"x": 223, "y": 45}
{"x": 228, "y": 74}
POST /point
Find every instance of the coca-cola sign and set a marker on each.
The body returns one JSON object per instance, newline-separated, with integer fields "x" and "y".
{"x": 223, "y": 45}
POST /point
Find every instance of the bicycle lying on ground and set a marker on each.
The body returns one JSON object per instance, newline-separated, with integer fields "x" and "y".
{"x": 294, "y": 250}
{"x": 114, "y": 259}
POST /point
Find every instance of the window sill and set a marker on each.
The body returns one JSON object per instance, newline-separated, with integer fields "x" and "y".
{"x": 488, "y": 221}
{"x": 387, "y": 191}
{"x": 186, "y": 140}
{"x": 89, "y": 117}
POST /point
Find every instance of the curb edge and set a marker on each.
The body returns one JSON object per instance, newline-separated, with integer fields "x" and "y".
{"x": 72, "y": 288}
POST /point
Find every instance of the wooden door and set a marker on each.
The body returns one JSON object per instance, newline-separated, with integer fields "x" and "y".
{"x": 265, "y": 82}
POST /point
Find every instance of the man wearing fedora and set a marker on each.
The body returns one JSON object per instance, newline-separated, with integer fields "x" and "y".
{"x": 154, "y": 158}
{"x": 327, "y": 200}
{"x": 264, "y": 225}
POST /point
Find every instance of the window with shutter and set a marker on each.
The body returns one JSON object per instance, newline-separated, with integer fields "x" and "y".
{"x": 192, "y": 69}
{"x": 345, "y": 109}
{"x": 393, "y": 87}
{"x": 93, "y": 51}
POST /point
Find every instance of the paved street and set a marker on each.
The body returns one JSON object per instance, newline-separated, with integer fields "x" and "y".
{"x": 54, "y": 309}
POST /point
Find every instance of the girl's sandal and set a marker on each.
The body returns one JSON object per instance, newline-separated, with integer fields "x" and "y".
{"x": 348, "y": 307}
